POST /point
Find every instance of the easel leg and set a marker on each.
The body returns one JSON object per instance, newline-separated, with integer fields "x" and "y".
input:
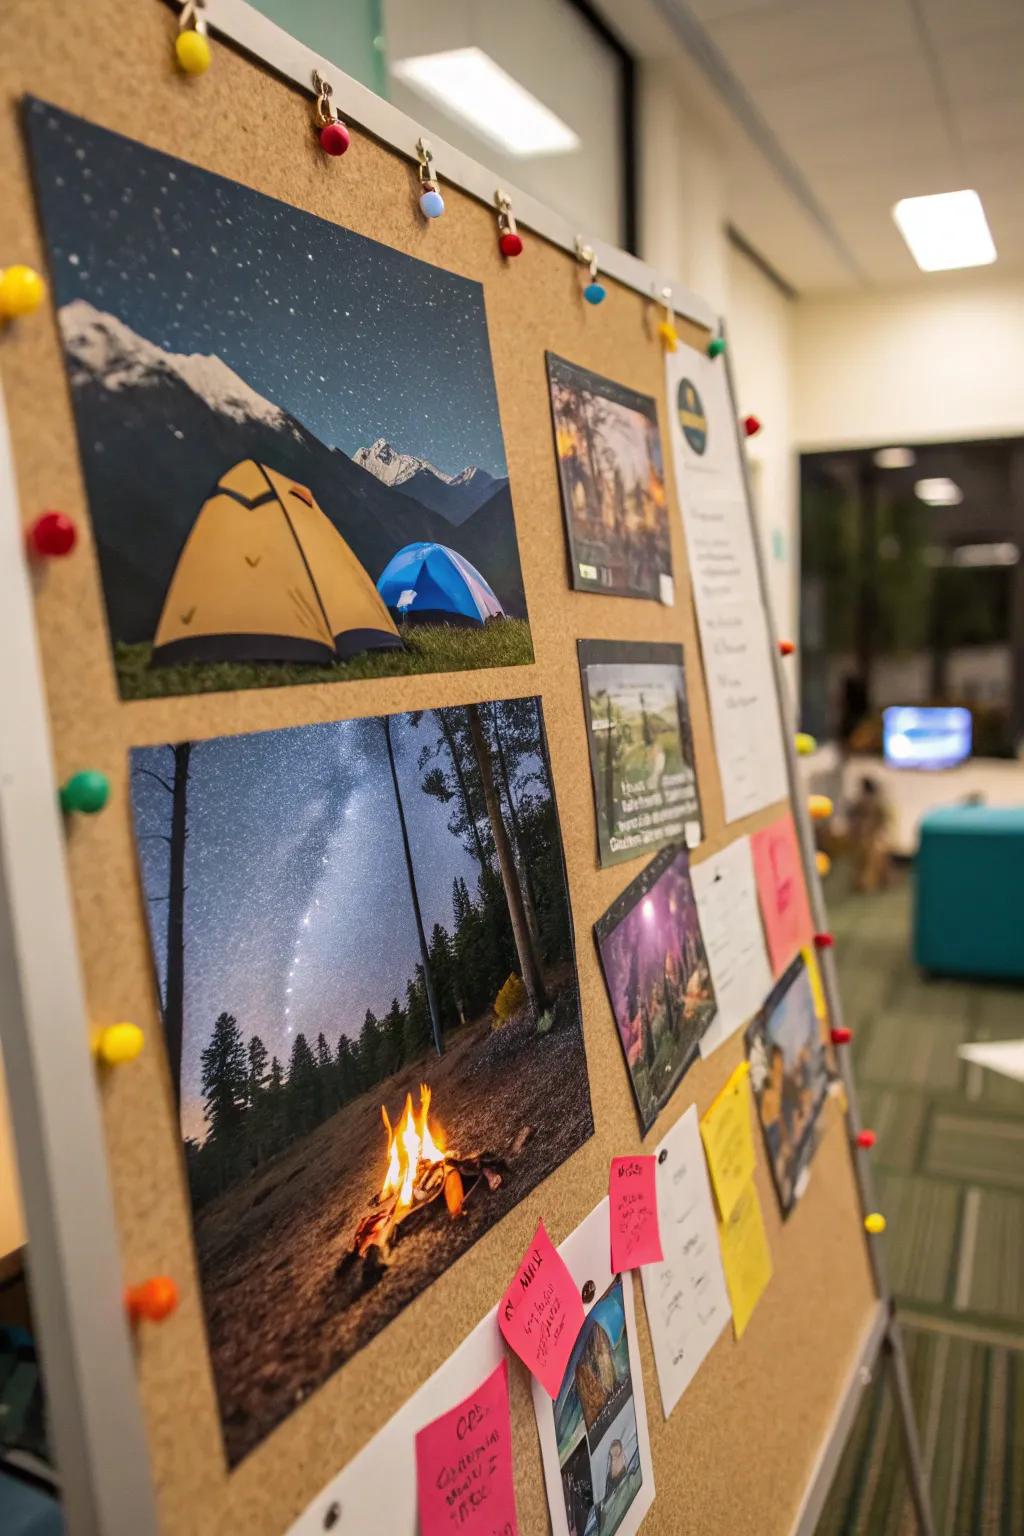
{"x": 917, "y": 1477}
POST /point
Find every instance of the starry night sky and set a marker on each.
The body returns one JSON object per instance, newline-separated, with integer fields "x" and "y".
{"x": 354, "y": 339}
{"x": 294, "y": 850}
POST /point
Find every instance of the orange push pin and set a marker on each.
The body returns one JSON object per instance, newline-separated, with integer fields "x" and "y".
{"x": 153, "y": 1300}
{"x": 823, "y": 941}
{"x": 820, "y": 807}
{"x": 667, "y": 329}
{"x": 840, "y": 1035}
{"x": 786, "y": 647}
{"x": 866, "y": 1140}
{"x": 822, "y": 863}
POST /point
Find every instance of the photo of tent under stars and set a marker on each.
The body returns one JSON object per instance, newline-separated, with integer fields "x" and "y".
{"x": 658, "y": 978}
{"x": 364, "y": 958}
{"x": 289, "y": 433}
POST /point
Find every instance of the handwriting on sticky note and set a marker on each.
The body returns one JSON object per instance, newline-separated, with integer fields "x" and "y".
{"x": 746, "y": 1257}
{"x": 541, "y": 1314}
{"x": 728, "y": 1141}
{"x": 633, "y": 1196}
{"x": 464, "y": 1477}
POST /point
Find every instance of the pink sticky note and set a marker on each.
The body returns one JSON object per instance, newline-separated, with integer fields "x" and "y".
{"x": 464, "y": 1466}
{"x": 781, "y": 891}
{"x": 541, "y": 1314}
{"x": 633, "y": 1198}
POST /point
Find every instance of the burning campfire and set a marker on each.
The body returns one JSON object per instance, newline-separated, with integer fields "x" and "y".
{"x": 420, "y": 1169}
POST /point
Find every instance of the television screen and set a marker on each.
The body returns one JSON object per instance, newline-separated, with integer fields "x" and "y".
{"x": 917, "y": 737}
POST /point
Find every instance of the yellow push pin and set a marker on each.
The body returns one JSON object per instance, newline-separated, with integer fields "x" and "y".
{"x": 822, "y": 863}
{"x": 22, "y": 290}
{"x": 667, "y": 329}
{"x": 117, "y": 1043}
{"x": 191, "y": 46}
{"x": 820, "y": 807}
{"x": 874, "y": 1222}
{"x": 805, "y": 743}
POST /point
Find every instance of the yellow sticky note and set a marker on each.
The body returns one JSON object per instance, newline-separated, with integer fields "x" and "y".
{"x": 814, "y": 977}
{"x": 746, "y": 1257}
{"x": 728, "y": 1140}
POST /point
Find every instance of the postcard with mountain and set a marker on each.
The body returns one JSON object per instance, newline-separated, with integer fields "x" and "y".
{"x": 289, "y": 433}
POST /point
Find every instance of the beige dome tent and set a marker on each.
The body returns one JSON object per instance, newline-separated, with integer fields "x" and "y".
{"x": 265, "y": 576}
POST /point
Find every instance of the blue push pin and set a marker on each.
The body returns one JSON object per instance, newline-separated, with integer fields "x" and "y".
{"x": 431, "y": 201}
{"x": 594, "y": 291}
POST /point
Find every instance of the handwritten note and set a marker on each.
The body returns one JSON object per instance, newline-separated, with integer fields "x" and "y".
{"x": 541, "y": 1312}
{"x": 782, "y": 891}
{"x": 746, "y": 1257}
{"x": 464, "y": 1466}
{"x": 685, "y": 1295}
{"x": 728, "y": 1140}
{"x": 730, "y": 925}
{"x": 634, "y": 1213}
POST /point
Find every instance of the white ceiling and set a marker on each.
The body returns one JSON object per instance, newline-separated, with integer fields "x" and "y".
{"x": 869, "y": 101}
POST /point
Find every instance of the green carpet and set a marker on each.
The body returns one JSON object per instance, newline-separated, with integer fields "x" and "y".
{"x": 949, "y": 1169}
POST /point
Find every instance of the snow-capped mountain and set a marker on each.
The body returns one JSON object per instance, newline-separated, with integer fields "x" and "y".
{"x": 456, "y": 497}
{"x": 103, "y": 350}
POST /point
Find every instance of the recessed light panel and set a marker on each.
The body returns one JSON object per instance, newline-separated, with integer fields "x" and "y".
{"x": 894, "y": 458}
{"x": 939, "y": 492}
{"x": 946, "y": 230}
{"x": 467, "y": 83}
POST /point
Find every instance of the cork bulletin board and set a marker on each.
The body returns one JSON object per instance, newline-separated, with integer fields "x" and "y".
{"x": 738, "y": 1451}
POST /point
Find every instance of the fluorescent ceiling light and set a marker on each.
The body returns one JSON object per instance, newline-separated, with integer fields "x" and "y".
{"x": 895, "y": 458}
{"x": 940, "y": 492}
{"x": 467, "y": 83}
{"x": 945, "y": 231}
{"x": 986, "y": 554}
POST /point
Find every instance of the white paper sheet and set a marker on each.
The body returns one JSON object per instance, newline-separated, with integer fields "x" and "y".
{"x": 1005, "y": 1056}
{"x": 731, "y": 619}
{"x": 686, "y": 1297}
{"x": 698, "y": 389}
{"x": 603, "y": 1455}
{"x": 730, "y": 925}
{"x": 377, "y": 1491}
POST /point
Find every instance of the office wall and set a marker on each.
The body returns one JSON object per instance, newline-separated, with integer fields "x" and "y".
{"x": 934, "y": 363}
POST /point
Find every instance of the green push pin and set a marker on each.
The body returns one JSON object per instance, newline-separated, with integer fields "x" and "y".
{"x": 86, "y": 792}
{"x": 716, "y": 346}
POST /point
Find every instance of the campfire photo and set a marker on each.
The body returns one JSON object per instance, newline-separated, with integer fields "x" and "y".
{"x": 364, "y": 952}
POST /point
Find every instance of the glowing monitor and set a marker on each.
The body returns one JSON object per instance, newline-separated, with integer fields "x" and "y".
{"x": 916, "y": 737}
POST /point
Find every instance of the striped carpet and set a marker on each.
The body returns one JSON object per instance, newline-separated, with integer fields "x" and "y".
{"x": 949, "y": 1167}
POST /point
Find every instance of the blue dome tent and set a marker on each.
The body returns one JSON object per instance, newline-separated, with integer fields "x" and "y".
{"x": 432, "y": 584}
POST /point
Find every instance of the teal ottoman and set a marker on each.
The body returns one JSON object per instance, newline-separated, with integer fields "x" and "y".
{"x": 969, "y": 892}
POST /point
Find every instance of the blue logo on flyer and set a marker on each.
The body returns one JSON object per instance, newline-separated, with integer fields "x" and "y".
{"x": 691, "y": 416}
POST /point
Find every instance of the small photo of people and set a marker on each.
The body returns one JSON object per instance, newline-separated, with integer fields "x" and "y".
{"x": 789, "y": 1077}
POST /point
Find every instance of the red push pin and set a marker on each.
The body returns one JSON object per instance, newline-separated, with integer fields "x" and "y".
{"x": 866, "y": 1139}
{"x": 841, "y": 1035}
{"x": 751, "y": 426}
{"x": 823, "y": 941}
{"x": 786, "y": 647}
{"x": 52, "y": 534}
{"x": 153, "y": 1300}
{"x": 510, "y": 241}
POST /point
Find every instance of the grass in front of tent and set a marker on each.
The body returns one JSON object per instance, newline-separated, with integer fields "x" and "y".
{"x": 428, "y": 648}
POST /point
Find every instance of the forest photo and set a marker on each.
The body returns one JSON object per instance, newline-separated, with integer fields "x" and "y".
{"x": 613, "y": 484}
{"x": 289, "y": 433}
{"x": 364, "y": 952}
{"x": 658, "y": 978}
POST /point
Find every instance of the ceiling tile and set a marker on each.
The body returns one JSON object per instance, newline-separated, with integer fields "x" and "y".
{"x": 799, "y": 39}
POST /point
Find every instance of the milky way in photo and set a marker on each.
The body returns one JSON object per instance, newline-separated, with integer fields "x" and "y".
{"x": 298, "y": 915}
{"x": 356, "y": 340}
